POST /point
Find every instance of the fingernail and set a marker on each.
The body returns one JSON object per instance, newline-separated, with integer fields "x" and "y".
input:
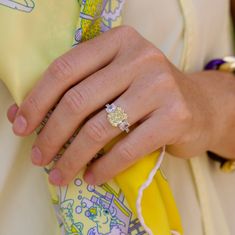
{"x": 36, "y": 156}
{"x": 20, "y": 125}
{"x": 11, "y": 113}
{"x": 89, "y": 178}
{"x": 55, "y": 177}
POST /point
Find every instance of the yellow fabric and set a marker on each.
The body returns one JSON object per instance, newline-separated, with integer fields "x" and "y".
{"x": 20, "y": 34}
{"x": 23, "y": 66}
{"x": 158, "y": 205}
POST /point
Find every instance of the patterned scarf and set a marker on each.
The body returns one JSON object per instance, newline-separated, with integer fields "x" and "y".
{"x": 97, "y": 16}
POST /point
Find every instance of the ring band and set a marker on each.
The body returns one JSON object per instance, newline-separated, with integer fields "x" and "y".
{"x": 117, "y": 117}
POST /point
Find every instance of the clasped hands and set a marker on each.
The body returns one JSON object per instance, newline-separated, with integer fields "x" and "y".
{"x": 120, "y": 66}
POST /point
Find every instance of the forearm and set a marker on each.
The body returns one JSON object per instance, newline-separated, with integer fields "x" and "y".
{"x": 219, "y": 89}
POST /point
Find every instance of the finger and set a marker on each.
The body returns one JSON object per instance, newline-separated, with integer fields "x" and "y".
{"x": 78, "y": 103}
{"x": 11, "y": 113}
{"x": 95, "y": 134}
{"x": 63, "y": 73}
{"x": 146, "y": 138}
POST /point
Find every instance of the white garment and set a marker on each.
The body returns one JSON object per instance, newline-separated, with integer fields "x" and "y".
{"x": 189, "y": 32}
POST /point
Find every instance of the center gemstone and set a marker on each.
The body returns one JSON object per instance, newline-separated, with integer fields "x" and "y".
{"x": 117, "y": 117}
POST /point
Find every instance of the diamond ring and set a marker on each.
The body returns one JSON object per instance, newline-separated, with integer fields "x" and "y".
{"x": 117, "y": 117}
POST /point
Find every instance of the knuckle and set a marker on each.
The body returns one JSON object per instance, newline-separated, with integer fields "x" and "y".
{"x": 69, "y": 164}
{"x": 167, "y": 82}
{"x": 151, "y": 53}
{"x": 74, "y": 100}
{"x": 96, "y": 130}
{"x": 181, "y": 113}
{"x": 47, "y": 142}
{"x": 127, "y": 30}
{"x": 61, "y": 69}
{"x": 126, "y": 152}
{"x": 34, "y": 103}
{"x": 150, "y": 57}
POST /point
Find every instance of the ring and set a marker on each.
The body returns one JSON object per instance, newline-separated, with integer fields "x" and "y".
{"x": 117, "y": 117}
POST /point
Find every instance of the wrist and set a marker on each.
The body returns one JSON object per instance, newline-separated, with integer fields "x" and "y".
{"x": 218, "y": 89}
{"x": 206, "y": 115}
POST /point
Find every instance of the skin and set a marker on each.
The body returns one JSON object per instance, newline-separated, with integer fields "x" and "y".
{"x": 189, "y": 113}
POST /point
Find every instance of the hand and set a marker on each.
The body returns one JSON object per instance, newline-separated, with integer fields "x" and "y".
{"x": 169, "y": 107}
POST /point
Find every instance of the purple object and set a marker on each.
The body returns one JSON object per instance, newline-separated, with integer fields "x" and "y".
{"x": 214, "y": 64}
